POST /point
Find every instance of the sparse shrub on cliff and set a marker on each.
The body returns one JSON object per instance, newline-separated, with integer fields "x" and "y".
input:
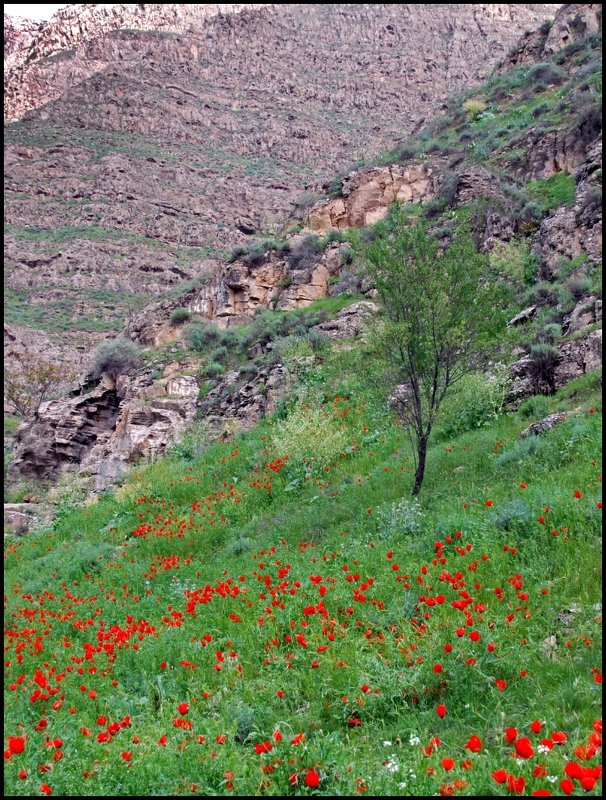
{"x": 579, "y": 286}
{"x": 32, "y": 382}
{"x": 306, "y": 254}
{"x": 200, "y": 336}
{"x": 547, "y": 74}
{"x": 473, "y": 108}
{"x": 543, "y": 362}
{"x": 179, "y": 316}
{"x": 557, "y": 190}
{"x": 116, "y": 357}
{"x": 214, "y": 370}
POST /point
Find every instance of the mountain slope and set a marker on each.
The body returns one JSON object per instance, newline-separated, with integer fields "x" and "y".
{"x": 156, "y": 150}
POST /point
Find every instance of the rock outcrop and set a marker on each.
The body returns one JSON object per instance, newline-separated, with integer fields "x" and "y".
{"x": 576, "y": 357}
{"x": 105, "y": 429}
{"x": 366, "y": 194}
{"x": 238, "y": 403}
{"x": 572, "y": 22}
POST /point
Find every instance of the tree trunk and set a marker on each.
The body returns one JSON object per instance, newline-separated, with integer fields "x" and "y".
{"x": 420, "y": 473}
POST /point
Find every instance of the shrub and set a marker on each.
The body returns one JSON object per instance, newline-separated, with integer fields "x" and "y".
{"x": 219, "y": 354}
{"x": 474, "y": 108}
{"x": 531, "y": 214}
{"x": 403, "y": 516}
{"x": 514, "y": 515}
{"x": 557, "y": 190}
{"x": 347, "y": 256}
{"x": 579, "y": 287}
{"x": 294, "y": 351}
{"x": 546, "y": 73}
{"x": 214, "y": 370}
{"x": 515, "y": 260}
{"x": 238, "y": 251}
{"x": 550, "y": 333}
{"x": 520, "y": 450}
{"x": 116, "y": 357}
{"x": 305, "y": 255}
{"x": 311, "y": 436}
{"x": 543, "y": 362}
{"x": 179, "y": 315}
{"x": 478, "y": 402}
{"x": 536, "y": 406}
{"x": 199, "y": 336}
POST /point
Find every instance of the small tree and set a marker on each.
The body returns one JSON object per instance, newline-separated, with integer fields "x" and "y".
{"x": 441, "y": 316}
{"x": 28, "y": 385}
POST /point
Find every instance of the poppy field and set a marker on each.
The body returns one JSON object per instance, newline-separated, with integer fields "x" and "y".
{"x": 251, "y": 622}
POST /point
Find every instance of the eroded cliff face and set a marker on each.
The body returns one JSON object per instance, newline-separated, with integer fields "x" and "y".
{"x": 154, "y": 139}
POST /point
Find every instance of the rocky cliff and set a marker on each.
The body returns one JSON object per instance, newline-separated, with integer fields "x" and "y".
{"x": 116, "y": 422}
{"x": 153, "y": 139}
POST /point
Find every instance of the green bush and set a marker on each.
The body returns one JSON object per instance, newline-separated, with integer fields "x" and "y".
{"x": 305, "y": 255}
{"x": 536, "y": 407}
{"x": 543, "y": 362}
{"x": 214, "y": 370}
{"x": 546, "y": 73}
{"x": 219, "y": 354}
{"x": 199, "y": 336}
{"x": 179, "y": 315}
{"x": 309, "y": 436}
{"x": 401, "y": 517}
{"x": 515, "y": 260}
{"x": 474, "y": 108}
{"x": 478, "y": 402}
{"x": 116, "y": 357}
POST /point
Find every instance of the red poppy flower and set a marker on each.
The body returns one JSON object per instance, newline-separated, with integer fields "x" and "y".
{"x": 474, "y": 744}
{"x": 441, "y": 711}
{"x": 524, "y": 748}
{"x": 535, "y": 726}
{"x": 515, "y": 785}
{"x": 488, "y": 503}
{"x": 183, "y": 708}
{"x": 500, "y": 776}
{"x": 312, "y": 778}
{"x": 16, "y": 744}
{"x": 448, "y": 763}
{"x": 567, "y": 786}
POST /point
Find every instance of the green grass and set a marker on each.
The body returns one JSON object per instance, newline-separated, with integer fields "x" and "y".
{"x": 264, "y": 594}
{"x": 557, "y": 190}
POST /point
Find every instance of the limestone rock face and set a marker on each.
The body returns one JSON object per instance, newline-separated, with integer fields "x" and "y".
{"x": 350, "y": 321}
{"x": 236, "y": 404}
{"x": 572, "y": 21}
{"x": 150, "y": 139}
{"x": 366, "y": 195}
{"x": 569, "y": 232}
{"x": 577, "y": 357}
{"x": 106, "y": 429}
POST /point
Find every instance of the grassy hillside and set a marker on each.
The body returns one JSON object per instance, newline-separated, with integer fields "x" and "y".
{"x": 276, "y": 616}
{"x": 273, "y": 614}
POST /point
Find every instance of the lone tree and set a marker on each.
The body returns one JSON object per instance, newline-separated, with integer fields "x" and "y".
{"x": 30, "y": 383}
{"x": 441, "y": 316}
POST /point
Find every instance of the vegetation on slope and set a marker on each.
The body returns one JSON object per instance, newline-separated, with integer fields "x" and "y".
{"x": 271, "y": 617}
